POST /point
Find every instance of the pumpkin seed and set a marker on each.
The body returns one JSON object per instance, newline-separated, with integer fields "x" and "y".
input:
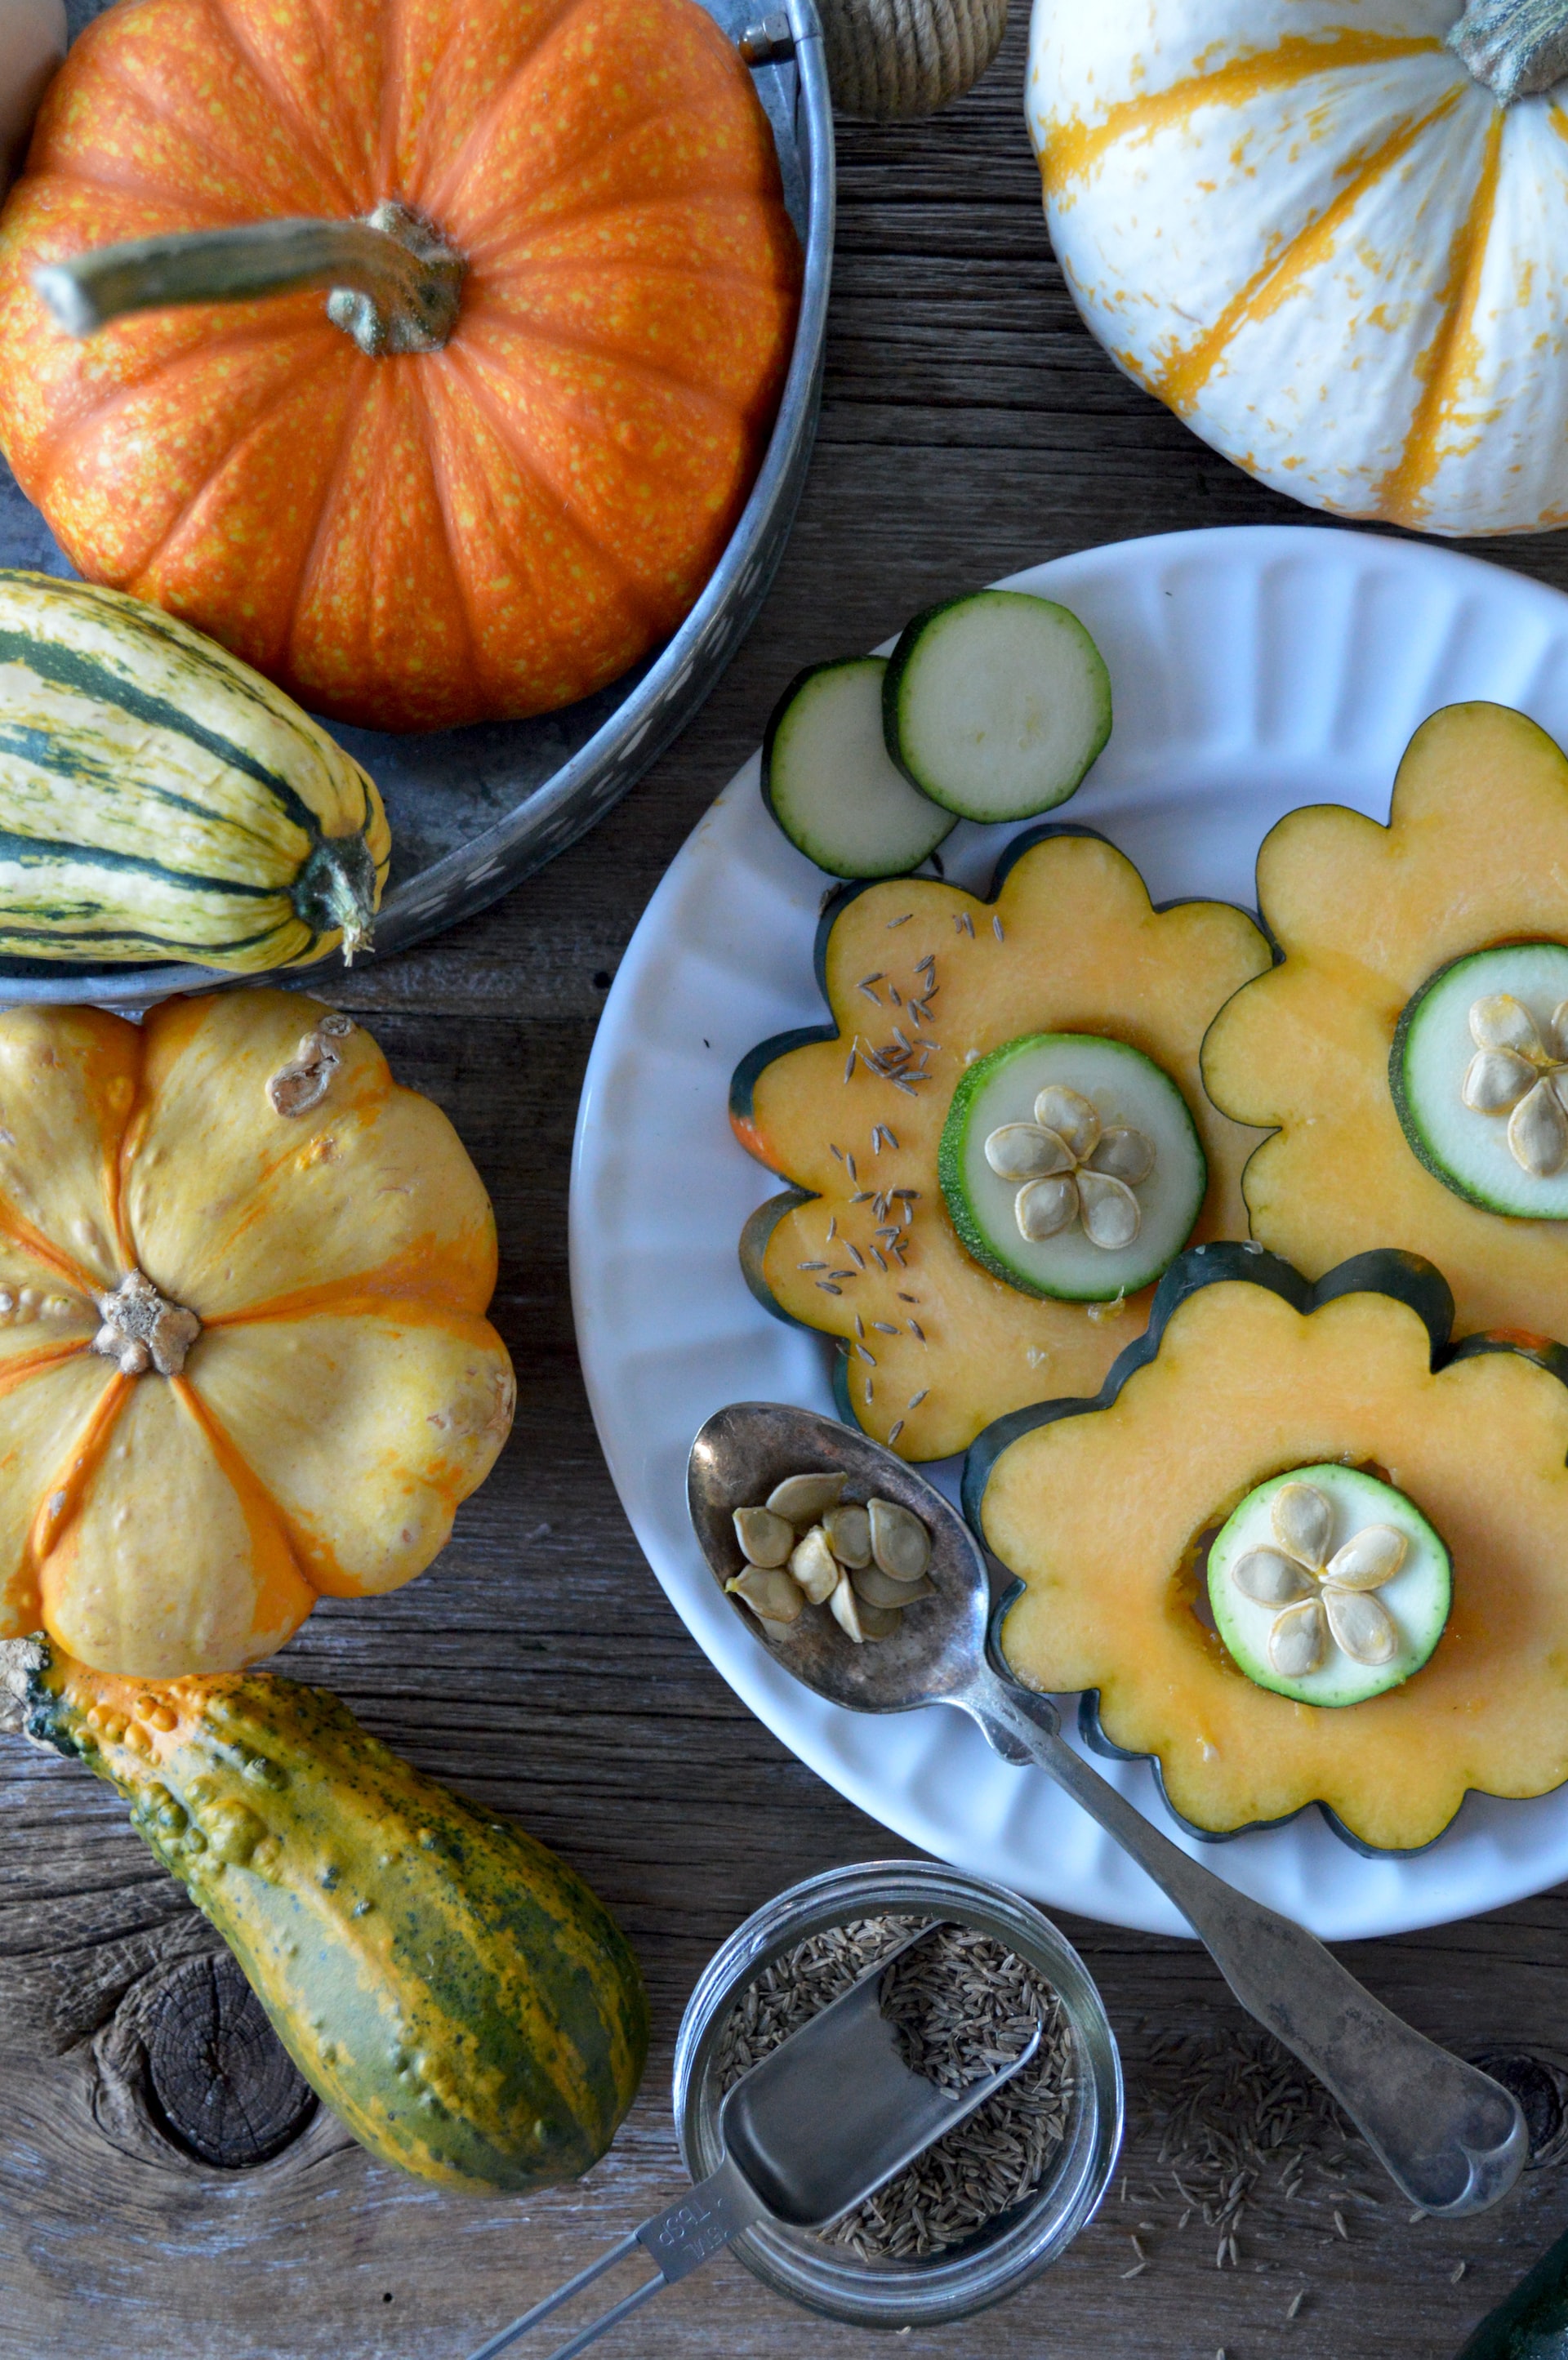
{"x": 859, "y": 1622}
{"x": 1496, "y": 1080}
{"x": 1296, "y": 1641}
{"x": 1108, "y": 1210}
{"x": 1538, "y": 1133}
{"x": 1021, "y": 1151}
{"x": 848, "y": 1530}
{"x": 1071, "y": 1115}
{"x": 1125, "y": 1153}
{"x": 766, "y": 1538}
{"x": 801, "y": 1499}
{"x": 769, "y": 1592}
{"x": 900, "y": 1542}
{"x": 1370, "y": 1558}
{"x": 1270, "y": 1577}
{"x": 1043, "y": 1206}
{"x": 1303, "y": 1518}
{"x": 1501, "y": 1022}
{"x": 813, "y": 1564}
{"x": 874, "y": 1588}
{"x": 1362, "y": 1626}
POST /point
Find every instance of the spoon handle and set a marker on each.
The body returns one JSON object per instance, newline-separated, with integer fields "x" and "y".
{"x": 1450, "y": 2137}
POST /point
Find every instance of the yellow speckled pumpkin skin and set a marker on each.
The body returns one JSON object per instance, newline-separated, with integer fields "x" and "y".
{"x": 444, "y": 1983}
{"x": 345, "y": 1392}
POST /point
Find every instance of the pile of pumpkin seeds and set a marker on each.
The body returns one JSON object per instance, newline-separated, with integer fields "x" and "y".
{"x": 806, "y": 1544}
{"x": 963, "y": 2006}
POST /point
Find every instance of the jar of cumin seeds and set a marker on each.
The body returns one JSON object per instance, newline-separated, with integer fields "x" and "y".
{"x": 873, "y": 2287}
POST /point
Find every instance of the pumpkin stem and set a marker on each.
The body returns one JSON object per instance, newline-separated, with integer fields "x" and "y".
{"x": 395, "y": 283}
{"x": 1515, "y": 48}
{"x": 336, "y": 892}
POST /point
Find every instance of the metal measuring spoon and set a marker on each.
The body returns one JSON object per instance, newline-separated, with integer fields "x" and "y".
{"x": 1452, "y": 2138}
{"x": 814, "y": 2127}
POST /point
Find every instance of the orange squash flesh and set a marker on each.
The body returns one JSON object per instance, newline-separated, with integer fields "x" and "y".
{"x": 493, "y": 528}
{"x": 1071, "y": 942}
{"x": 1096, "y": 1513}
{"x": 1475, "y": 853}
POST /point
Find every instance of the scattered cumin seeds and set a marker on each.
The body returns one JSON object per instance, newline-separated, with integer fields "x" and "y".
{"x": 849, "y": 1063}
{"x": 914, "y": 1328}
{"x": 915, "y": 1399}
{"x": 856, "y": 1256}
{"x": 811, "y": 1265}
{"x": 1297, "y": 2300}
{"x": 1137, "y": 2271}
{"x": 836, "y": 1151}
{"x": 827, "y": 1286}
{"x": 894, "y": 1430}
{"x": 883, "y": 1328}
{"x": 1138, "y": 2250}
{"x": 1339, "y": 2227}
{"x": 1457, "y": 2272}
{"x": 859, "y": 1327}
{"x": 900, "y": 922}
{"x": 996, "y": 928}
{"x": 850, "y": 1168}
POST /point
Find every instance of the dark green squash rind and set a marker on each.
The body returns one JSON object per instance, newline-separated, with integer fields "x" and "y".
{"x": 1383, "y": 1270}
{"x": 755, "y": 1238}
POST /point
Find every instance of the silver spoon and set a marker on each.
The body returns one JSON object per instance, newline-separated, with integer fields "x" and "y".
{"x": 1450, "y": 2137}
{"x": 816, "y": 2126}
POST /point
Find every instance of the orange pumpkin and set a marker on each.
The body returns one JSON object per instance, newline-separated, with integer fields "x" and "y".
{"x": 495, "y": 467}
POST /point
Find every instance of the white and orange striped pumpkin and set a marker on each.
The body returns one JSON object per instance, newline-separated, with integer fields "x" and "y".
{"x": 1333, "y": 234}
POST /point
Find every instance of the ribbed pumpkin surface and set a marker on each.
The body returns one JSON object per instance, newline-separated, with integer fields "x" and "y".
{"x": 1302, "y": 224}
{"x": 493, "y": 528}
{"x": 444, "y": 1983}
{"x": 345, "y": 1392}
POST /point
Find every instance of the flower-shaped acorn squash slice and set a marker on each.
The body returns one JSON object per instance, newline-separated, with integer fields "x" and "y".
{"x": 924, "y": 981}
{"x": 1106, "y": 1509}
{"x": 243, "y": 1362}
{"x": 1371, "y": 921}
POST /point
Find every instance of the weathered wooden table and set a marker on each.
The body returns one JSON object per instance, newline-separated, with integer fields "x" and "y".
{"x": 971, "y": 426}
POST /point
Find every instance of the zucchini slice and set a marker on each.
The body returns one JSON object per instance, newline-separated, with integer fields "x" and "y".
{"x": 1287, "y": 1621}
{"x": 828, "y": 780}
{"x": 1479, "y": 1074}
{"x": 1072, "y": 1166}
{"x": 995, "y": 705}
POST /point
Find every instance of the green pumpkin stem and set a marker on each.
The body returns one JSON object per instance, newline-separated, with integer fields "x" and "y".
{"x": 395, "y": 284}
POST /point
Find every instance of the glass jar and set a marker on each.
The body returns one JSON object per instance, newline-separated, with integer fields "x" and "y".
{"x": 995, "y": 2261}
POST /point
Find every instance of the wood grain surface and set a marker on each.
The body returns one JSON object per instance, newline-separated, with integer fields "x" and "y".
{"x": 971, "y": 426}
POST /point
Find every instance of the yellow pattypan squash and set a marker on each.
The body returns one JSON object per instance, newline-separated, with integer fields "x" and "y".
{"x": 243, "y": 1359}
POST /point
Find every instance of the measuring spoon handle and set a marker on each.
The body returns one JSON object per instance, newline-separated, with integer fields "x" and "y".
{"x": 1450, "y": 2137}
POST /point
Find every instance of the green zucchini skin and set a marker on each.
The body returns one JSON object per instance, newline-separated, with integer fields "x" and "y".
{"x": 1383, "y": 1270}
{"x": 159, "y": 800}
{"x": 447, "y": 1986}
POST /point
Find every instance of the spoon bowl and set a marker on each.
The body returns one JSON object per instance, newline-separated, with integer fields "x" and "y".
{"x": 941, "y": 1642}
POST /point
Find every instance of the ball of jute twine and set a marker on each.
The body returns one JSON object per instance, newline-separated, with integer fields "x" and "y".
{"x": 888, "y": 58}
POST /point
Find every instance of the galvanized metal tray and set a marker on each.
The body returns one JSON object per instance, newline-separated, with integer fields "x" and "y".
{"x": 472, "y": 811}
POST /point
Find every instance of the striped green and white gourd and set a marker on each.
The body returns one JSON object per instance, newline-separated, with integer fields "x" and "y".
{"x": 160, "y": 800}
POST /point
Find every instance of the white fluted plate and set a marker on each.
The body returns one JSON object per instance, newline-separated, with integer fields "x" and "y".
{"x": 1253, "y": 668}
